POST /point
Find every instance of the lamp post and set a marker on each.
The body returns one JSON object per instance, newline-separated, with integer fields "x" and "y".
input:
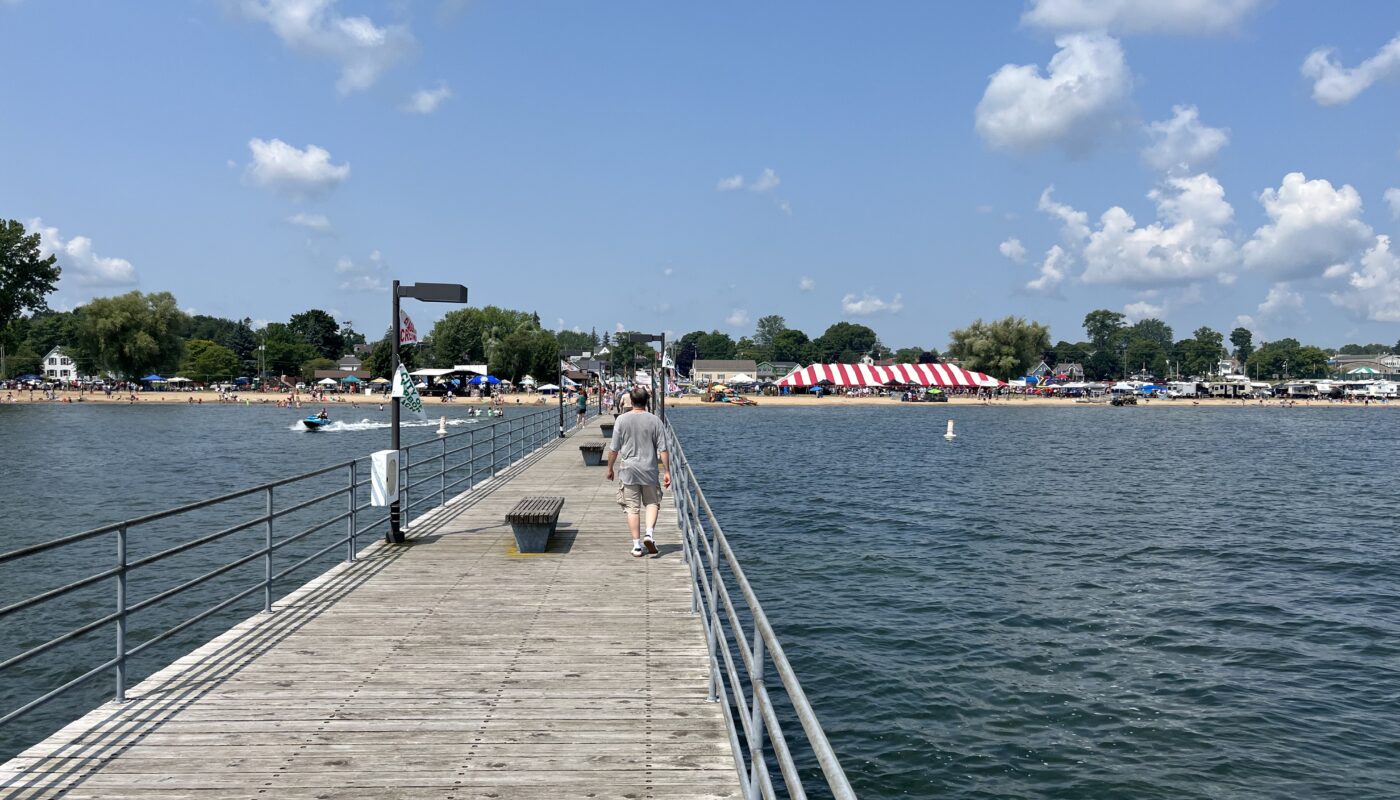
{"x": 560, "y": 392}
{"x": 428, "y": 293}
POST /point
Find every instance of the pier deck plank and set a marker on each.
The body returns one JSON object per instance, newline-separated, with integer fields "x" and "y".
{"x": 448, "y": 667}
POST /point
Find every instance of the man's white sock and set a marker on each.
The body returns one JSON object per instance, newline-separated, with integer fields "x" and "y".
{"x": 649, "y": 532}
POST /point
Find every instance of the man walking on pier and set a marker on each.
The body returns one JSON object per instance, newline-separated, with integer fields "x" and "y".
{"x": 638, "y": 441}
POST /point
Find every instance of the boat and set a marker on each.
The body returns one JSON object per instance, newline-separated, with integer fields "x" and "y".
{"x": 315, "y": 423}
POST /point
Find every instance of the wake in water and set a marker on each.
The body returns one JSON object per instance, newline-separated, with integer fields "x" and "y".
{"x": 371, "y": 425}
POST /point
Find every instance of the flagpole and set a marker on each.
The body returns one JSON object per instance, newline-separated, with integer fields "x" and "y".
{"x": 395, "y": 533}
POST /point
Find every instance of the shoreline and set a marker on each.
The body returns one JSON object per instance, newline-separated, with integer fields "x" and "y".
{"x": 208, "y": 398}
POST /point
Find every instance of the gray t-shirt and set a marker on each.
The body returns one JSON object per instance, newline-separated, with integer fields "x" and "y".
{"x": 637, "y": 439}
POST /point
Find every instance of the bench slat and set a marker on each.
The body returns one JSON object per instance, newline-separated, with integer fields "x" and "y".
{"x": 536, "y": 510}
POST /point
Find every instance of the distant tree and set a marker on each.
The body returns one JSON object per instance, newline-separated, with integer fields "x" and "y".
{"x": 1153, "y": 330}
{"x": 767, "y": 330}
{"x": 1103, "y": 327}
{"x": 593, "y": 338}
{"x": 845, "y": 342}
{"x": 1005, "y": 348}
{"x": 790, "y": 345}
{"x": 308, "y": 369}
{"x": 1364, "y": 349}
{"x": 320, "y": 330}
{"x": 529, "y": 352}
{"x": 714, "y": 345}
{"x": 748, "y": 349}
{"x": 285, "y": 350}
{"x": 929, "y": 356}
{"x": 908, "y": 355}
{"x": 1069, "y": 353}
{"x": 1287, "y": 358}
{"x": 1102, "y": 365}
{"x": 377, "y": 363}
{"x": 685, "y": 357}
{"x": 131, "y": 334}
{"x": 207, "y": 362}
{"x": 1146, "y": 354}
{"x": 471, "y": 335}
{"x": 1243, "y": 341}
{"x": 26, "y": 278}
{"x": 1200, "y": 355}
{"x": 574, "y": 341}
{"x": 236, "y": 335}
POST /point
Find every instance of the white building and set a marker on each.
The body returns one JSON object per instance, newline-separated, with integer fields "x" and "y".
{"x": 59, "y": 367}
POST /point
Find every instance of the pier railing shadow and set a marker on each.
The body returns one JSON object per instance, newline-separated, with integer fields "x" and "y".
{"x": 453, "y": 471}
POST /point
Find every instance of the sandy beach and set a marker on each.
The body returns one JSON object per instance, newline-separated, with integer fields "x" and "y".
{"x": 791, "y": 401}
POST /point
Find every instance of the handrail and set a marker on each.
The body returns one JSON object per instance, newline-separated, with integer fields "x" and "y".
{"x": 504, "y": 440}
{"x": 708, "y": 555}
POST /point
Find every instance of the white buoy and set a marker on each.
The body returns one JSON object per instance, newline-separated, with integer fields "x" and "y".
{"x": 950, "y": 436}
{"x": 442, "y": 426}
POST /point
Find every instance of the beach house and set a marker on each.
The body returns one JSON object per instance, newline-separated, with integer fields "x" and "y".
{"x": 58, "y": 366}
{"x": 349, "y": 364}
{"x": 705, "y": 372}
{"x": 773, "y": 370}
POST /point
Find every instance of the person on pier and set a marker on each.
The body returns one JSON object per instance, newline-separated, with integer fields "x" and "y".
{"x": 638, "y": 442}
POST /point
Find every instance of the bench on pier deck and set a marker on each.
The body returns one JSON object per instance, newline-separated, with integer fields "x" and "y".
{"x": 606, "y": 428}
{"x": 532, "y": 521}
{"x": 593, "y": 453}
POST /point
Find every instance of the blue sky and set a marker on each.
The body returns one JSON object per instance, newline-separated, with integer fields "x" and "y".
{"x": 671, "y": 167}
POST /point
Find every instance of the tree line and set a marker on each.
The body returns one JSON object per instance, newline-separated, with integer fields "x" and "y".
{"x": 133, "y": 334}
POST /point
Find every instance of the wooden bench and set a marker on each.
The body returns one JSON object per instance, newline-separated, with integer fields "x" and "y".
{"x": 532, "y": 521}
{"x": 593, "y": 454}
{"x": 606, "y": 428}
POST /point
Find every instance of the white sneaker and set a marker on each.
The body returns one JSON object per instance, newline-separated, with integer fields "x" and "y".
{"x": 650, "y": 544}
{"x": 636, "y": 549}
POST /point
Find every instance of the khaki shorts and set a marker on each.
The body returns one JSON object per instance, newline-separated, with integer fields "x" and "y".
{"x": 632, "y": 498}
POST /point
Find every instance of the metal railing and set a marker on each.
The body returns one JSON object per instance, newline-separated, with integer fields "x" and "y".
{"x": 742, "y": 687}
{"x": 458, "y": 462}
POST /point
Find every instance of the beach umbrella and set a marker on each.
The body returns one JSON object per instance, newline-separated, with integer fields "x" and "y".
{"x": 527, "y": 381}
{"x": 489, "y": 380}
{"x": 380, "y": 381}
{"x": 548, "y": 387}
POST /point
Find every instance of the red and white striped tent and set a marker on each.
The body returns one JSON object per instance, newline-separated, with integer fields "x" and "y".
{"x": 945, "y": 375}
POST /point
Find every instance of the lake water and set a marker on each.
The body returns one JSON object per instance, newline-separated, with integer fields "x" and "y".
{"x": 1063, "y": 603}
{"x": 70, "y": 468}
{"x": 1079, "y": 602}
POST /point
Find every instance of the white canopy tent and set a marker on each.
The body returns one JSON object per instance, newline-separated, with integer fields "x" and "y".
{"x": 742, "y": 378}
{"x": 326, "y": 382}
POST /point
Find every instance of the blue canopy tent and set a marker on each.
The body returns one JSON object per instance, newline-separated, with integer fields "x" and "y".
{"x": 349, "y": 379}
{"x": 28, "y": 378}
{"x": 153, "y": 378}
{"x": 490, "y": 380}
{"x": 240, "y": 381}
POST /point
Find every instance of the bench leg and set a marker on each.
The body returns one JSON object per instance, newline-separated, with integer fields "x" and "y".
{"x": 532, "y": 537}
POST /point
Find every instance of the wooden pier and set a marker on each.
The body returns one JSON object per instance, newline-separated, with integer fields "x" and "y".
{"x": 449, "y": 667}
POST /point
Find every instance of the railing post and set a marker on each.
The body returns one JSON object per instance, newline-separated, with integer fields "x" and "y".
{"x": 121, "y": 614}
{"x": 350, "y": 534}
{"x": 267, "y": 555}
{"x": 403, "y": 491}
{"x": 755, "y": 715}
{"x": 442, "y": 474}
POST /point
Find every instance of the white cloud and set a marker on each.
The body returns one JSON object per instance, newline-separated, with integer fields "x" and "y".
{"x": 1076, "y": 223}
{"x": 1141, "y": 310}
{"x": 766, "y": 182}
{"x": 1392, "y": 196}
{"x": 1282, "y": 307}
{"x": 1013, "y": 249}
{"x": 1083, "y": 97}
{"x": 1311, "y": 227}
{"x": 868, "y": 304}
{"x": 806, "y": 284}
{"x": 316, "y": 222}
{"x": 1336, "y": 271}
{"x": 1053, "y": 271}
{"x": 362, "y": 277}
{"x": 1139, "y": 16}
{"x": 620, "y": 328}
{"x": 732, "y": 183}
{"x": 1189, "y": 243}
{"x": 1334, "y": 84}
{"x": 1374, "y": 291}
{"x": 314, "y": 27}
{"x": 668, "y": 272}
{"x": 785, "y": 207}
{"x": 426, "y": 101}
{"x": 82, "y": 269}
{"x": 1182, "y": 143}
{"x": 282, "y": 167}
{"x": 737, "y": 318}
